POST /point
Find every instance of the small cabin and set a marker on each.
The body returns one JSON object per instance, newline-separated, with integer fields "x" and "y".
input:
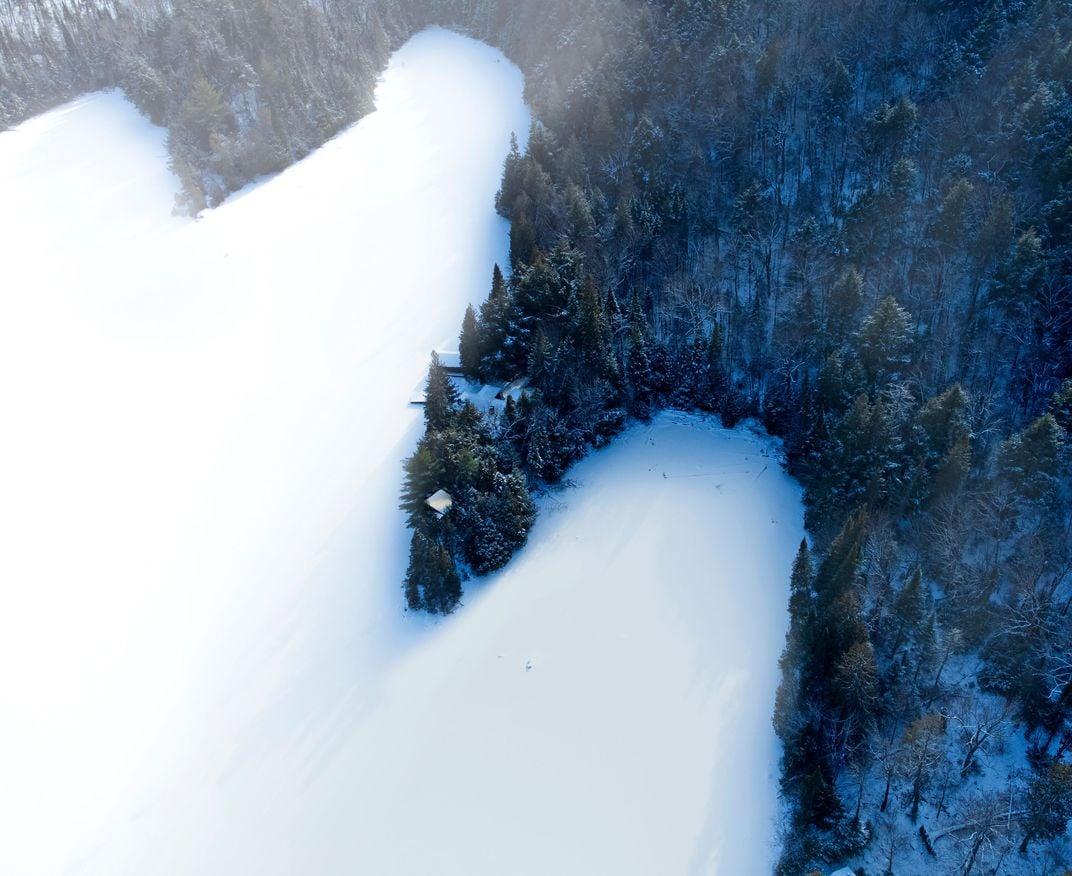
{"x": 440, "y": 502}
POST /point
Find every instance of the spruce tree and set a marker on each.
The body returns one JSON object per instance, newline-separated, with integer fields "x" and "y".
{"x": 1030, "y": 461}
{"x": 432, "y": 582}
{"x": 908, "y": 608}
{"x": 639, "y": 374}
{"x": 953, "y": 471}
{"x": 1048, "y": 804}
{"x": 715, "y": 387}
{"x": 494, "y": 325}
{"x": 540, "y": 367}
{"x": 800, "y": 584}
{"x": 416, "y": 573}
{"x": 205, "y": 114}
{"x": 469, "y": 344}
{"x": 884, "y": 340}
{"x": 837, "y": 572}
{"x": 837, "y": 89}
{"x": 844, "y": 302}
{"x": 440, "y": 396}
{"x": 498, "y": 284}
{"x": 512, "y": 180}
{"x": 1060, "y": 408}
{"x": 591, "y": 327}
{"x": 425, "y": 473}
{"x": 856, "y": 687}
{"x": 444, "y": 590}
{"x": 942, "y": 421}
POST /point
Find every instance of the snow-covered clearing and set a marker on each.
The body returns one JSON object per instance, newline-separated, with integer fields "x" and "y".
{"x": 204, "y": 662}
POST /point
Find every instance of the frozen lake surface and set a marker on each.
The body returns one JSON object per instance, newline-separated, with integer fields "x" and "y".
{"x": 204, "y": 659}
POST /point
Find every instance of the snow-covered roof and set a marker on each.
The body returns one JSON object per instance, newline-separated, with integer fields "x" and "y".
{"x": 440, "y": 501}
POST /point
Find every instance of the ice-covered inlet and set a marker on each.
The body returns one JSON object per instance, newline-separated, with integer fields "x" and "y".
{"x": 203, "y": 660}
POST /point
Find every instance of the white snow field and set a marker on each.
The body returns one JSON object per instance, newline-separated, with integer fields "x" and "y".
{"x": 204, "y": 662}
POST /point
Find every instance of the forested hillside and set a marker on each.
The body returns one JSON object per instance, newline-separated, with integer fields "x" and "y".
{"x": 852, "y": 221}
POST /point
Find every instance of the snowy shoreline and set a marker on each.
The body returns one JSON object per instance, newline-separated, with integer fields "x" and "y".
{"x": 206, "y": 639}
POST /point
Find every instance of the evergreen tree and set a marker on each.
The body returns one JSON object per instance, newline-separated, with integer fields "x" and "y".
{"x": 800, "y": 583}
{"x": 432, "y": 582}
{"x": 498, "y": 522}
{"x": 425, "y": 473}
{"x": 839, "y": 567}
{"x": 891, "y": 127}
{"x": 845, "y": 299}
{"x": 1060, "y": 408}
{"x": 839, "y": 382}
{"x": 884, "y": 340}
{"x": 856, "y": 687}
{"x": 591, "y": 329}
{"x": 819, "y": 805}
{"x": 494, "y": 325}
{"x": 943, "y": 421}
{"x": 837, "y": 89}
{"x": 415, "y": 572}
{"x": 1048, "y": 804}
{"x": 638, "y": 362}
{"x": 908, "y": 609}
{"x": 715, "y": 388}
{"x": 469, "y": 345}
{"x": 953, "y": 471}
{"x": 952, "y": 214}
{"x": 512, "y": 180}
{"x": 540, "y": 366}
{"x": 1030, "y": 461}
{"x": 204, "y": 114}
{"x": 440, "y": 396}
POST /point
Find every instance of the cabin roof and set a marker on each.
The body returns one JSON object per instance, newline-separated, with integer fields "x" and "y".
{"x": 440, "y": 501}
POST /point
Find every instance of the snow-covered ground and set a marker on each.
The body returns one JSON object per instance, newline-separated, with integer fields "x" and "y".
{"x": 204, "y": 662}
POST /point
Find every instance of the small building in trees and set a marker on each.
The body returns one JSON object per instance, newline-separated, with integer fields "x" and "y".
{"x": 440, "y": 501}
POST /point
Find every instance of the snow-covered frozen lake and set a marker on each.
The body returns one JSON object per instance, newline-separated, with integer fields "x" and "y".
{"x": 204, "y": 662}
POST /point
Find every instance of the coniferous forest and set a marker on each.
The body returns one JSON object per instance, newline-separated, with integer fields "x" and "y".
{"x": 850, "y": 221}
